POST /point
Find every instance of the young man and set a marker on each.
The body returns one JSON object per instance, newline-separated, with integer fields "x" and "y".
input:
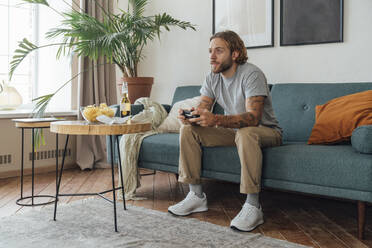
{"x": 249, "y": 124}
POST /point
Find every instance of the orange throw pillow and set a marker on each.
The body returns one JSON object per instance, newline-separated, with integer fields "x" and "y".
{"x": 336, "y": 120}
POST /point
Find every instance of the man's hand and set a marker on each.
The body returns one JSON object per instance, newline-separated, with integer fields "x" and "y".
{"x": 183, "y": 119}
{"x": 206, "y": 118}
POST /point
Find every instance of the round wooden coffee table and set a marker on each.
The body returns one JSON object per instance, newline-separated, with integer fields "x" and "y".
{"x": 85, "y": 128}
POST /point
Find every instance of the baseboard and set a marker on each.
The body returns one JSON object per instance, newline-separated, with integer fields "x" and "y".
{"x": 39, "y": 170}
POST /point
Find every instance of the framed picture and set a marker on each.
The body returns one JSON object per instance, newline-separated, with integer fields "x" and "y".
{"x": 253, "y": 20}
{"x": 305, "y": 22}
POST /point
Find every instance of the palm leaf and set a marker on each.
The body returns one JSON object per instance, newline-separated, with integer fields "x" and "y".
{"x": 165, "y": 20}
{"x": 25, "y": 47}
{"x": 41, "y": 105}
{"x": 43, "y": 2}
{"x": 138, "y": 7}
{"x": 39, "y": 138}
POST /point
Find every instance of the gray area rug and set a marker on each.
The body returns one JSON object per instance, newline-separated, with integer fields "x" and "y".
{"x": 89, "y": 223}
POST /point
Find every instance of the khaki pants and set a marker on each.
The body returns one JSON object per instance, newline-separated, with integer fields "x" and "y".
{"x": 248, "y": 140}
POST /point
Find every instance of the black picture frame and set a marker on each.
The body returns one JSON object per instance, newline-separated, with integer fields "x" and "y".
{"x": 304, "y": 22}
{"x": 259, "y": 40}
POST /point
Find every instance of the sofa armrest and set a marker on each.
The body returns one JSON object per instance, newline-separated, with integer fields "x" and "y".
{"x": 135, "y": 109}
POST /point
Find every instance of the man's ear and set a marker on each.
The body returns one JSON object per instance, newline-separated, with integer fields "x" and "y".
{"x": 235, "y": 55}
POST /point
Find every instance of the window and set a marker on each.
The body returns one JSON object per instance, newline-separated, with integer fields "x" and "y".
{"x": 40, "y": 73}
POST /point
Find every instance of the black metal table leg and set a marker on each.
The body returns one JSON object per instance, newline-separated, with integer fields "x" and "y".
{"x": 120, "y": 171}
{"x": 22, "y": 161}
{"x": 33, "y": 164}
{"x": 113, "y": 183}
{"x": 60, "y": 176}
{"x": 100, "y": 194}
{"x": 56, "y": 165}
{"x": 32, "y": 196}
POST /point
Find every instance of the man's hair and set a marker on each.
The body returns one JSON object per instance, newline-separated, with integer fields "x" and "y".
{"x": 234, "y": 43}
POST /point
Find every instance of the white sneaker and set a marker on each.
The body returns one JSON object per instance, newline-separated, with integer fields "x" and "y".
{"x": 191, "y": 204}
{"x": 248, "y": 218}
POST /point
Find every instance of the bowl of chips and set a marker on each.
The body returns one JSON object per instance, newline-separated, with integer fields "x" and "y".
{"x": 91, "y": 112}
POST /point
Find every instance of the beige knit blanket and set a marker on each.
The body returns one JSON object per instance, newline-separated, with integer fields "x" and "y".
{"x": 130, "y": 145}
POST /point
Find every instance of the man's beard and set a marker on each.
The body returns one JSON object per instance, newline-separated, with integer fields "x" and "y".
{"x": 224, "y": 66}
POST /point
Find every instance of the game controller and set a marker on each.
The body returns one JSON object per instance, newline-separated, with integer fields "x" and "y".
{"x": 188, "y": 114}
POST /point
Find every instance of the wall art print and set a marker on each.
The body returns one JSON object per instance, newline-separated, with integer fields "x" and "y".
{"x": 253, "y": 20}
{"x": 305, "y": 22}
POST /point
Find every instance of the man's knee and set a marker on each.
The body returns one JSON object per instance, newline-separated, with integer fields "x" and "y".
{"x": 189, "y": 129}
{"x": 246, "y": 133}
{"x": 185, "y": 130}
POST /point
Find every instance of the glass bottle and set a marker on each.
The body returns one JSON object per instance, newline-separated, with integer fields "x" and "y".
{"x": 124, "y": 101}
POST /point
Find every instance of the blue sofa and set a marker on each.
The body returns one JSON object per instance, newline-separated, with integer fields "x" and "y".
{"x": 328, "y": 170}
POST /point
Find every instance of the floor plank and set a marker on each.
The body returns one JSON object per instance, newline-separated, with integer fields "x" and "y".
{"x": 298, "y": 218}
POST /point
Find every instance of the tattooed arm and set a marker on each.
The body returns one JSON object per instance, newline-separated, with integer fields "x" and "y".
{"x": 206, "y": 104}
{"x": 254, "y": 106}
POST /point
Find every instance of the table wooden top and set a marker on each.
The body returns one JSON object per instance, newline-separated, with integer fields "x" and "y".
{"x": 34, "y": 122}
{"x": 85, "y": 128}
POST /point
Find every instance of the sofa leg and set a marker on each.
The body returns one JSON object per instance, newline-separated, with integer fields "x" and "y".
{"x": 176, "y": 176}
{"x": 148, "y": 174}
{"x": 361, "y": 218}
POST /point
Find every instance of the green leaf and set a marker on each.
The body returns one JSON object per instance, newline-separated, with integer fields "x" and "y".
{"x": 138, "y": 7}
{"x": 43, "y": 2}
{"x": 41, "y": 105}
{"x": 20, "y": 54}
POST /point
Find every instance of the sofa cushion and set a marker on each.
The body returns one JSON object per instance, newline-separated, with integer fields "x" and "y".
{"x": 221, "y": 159}
{"x": 172, "y": 124}
{"x": 323, "y": 165}
{"x": 294, "y": 104}
{"x": 161, "y": 148}
{"x": 184, "y": 92}
{"x": 336, "y": 120}
{"x": 361, "y": 139}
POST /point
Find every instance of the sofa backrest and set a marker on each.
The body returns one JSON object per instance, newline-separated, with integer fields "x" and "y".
{"x": 184, "y": 92}
{"x": 294, "y": 104}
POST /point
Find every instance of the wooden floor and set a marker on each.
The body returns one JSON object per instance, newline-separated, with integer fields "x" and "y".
{"x": 297, "y": 218}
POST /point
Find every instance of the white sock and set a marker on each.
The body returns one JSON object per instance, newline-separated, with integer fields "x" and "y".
{"x": 197, "y": 189}
{"x": 252, "y": 199}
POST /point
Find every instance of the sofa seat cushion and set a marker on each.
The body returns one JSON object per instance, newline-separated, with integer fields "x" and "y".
{"x": 161, "y": 148}
{"x": 324, "y": 165}
{"x": 221, "y": 159}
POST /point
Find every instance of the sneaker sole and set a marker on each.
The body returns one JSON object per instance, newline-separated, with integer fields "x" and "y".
{"x": 191, "y": 212}
{"x": 248, "y": 230}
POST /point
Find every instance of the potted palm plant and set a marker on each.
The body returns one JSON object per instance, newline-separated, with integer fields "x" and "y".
{"x": 119, "y": 37}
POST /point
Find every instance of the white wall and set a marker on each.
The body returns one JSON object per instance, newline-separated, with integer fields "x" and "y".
{"x": 181, "y": 57}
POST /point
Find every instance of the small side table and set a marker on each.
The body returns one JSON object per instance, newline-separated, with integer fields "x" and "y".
{"x": 85, "y": 128}
{"x": 33, "y": 123}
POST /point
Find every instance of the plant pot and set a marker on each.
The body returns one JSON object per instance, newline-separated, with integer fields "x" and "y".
{"x": 138, "y": 87}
